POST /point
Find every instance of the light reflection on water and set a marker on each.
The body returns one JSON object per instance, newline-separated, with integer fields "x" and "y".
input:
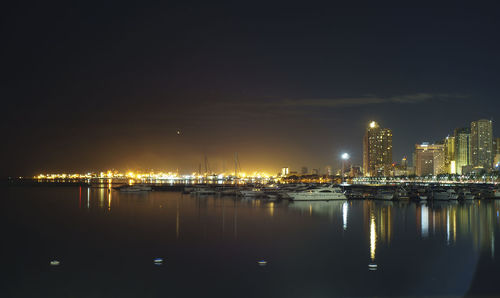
{"x": 312, "y": 247}
{"x": 477, "y": 219}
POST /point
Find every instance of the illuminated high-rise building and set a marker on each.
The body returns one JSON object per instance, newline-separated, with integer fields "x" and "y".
{"x": 462, "y": 148}
{"x": 284, "y": 171}
{"x": 429, "y": 159}
{"x": 449, "y": 155}
{"x": 481, "y": 144}
{"x": 377, "y": 151}
{"x": 496, "y": 159}
{"x": 404, "y": 163}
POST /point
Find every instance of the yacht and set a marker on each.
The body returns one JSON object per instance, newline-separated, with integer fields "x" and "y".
{"x": 228, "y": 191}
{"x": 203, "y": 190}
{"x": 385, "y": 195}
{"x": 354, "y": 194}
{"x": 496, "y": 192}
{"x": 466, "y": 195}
{"x": 135, "y": 188}
{"x": 318, "y": 194}
{"x": 402, "y": 193}
{"x": 444, "y": 194}
{"x": 252, "y": 193}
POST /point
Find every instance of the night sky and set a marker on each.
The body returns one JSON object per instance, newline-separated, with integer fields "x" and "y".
{"x": 96, "y": 85}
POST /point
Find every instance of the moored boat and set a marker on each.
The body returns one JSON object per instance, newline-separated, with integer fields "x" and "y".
{"x": 466, "y": 194}
{"x": 496, "y": 192}
{"x": 385, "y": 195}
{"x": 252, "y": 193}
{"x": 318, "y": 194}
{"x": 444, "y": 194}
{"x": 135, "y": 188}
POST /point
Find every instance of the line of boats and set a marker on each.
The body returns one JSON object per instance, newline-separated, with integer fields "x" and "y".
{"x": 327, "y": 192}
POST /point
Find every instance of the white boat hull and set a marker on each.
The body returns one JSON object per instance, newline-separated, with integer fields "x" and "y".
{"x": 386, "y": 197}
{"x": 298, "y": 196}
{"x": 251, "y": 193}
{"x": 135, "y": 189}
{"x": 445, "y": 196}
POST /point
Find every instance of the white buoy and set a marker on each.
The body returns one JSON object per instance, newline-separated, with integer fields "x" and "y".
{"x": 158, "y": 261}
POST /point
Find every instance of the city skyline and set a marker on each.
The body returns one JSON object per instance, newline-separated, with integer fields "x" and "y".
{"x": 449, "y": 155}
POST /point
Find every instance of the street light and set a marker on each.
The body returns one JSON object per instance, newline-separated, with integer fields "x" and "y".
{"x": 345, "y": 156}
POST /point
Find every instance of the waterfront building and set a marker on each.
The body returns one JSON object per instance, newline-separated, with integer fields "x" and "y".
{"x": 404, "y": 163}
{"x": 315, "y": 171}
{"x": 328, "y": 170}
{"x": 401, "y": 169}
{"x": 429, "y": 159}
{"x": 284, "y": 171}
{"x": 449, "y": 155}
{"x": 481, "y": 144}
{"x": 356, "y": 171}
{"x": 377, "y": 151}
{"x": 462, "y": 149}
{"x": 496, "y": 159}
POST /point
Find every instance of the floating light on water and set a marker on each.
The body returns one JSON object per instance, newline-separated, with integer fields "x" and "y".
{"x": 158, "y": 261}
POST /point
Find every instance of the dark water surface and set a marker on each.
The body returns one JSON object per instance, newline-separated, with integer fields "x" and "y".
{"x": 106, "y": 242}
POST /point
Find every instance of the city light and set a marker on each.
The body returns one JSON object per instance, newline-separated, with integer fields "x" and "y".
{"x": 151, "y": 176}
{"x": 345, "y": 156}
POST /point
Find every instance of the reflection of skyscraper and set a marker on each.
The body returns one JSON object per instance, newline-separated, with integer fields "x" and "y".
{"x": 345, "y": 209}
{"x": 474, "y": 220}
{"x": 373, "y": 236}
{"x": 462, "y": 136}
{"x": 377, "y": 151}
{"x": 425, "y": 221}
{"x": 481, "y": 143}
{"x": 378, "y": 222}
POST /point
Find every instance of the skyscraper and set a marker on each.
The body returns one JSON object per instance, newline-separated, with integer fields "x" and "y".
{"x": 481, "y": 144}
{"x": 496, "y": 159}
{"x": 429, "y": 159}
{"x": 462, "y": 144}
{"x": 377, "y": 151}
{"x": 284, "y": 171}
{"x": 449, "y": 155}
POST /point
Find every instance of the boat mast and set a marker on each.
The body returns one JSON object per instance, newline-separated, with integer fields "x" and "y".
{"x": 236, "y": 164}
{"x": 206, "y": 166}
